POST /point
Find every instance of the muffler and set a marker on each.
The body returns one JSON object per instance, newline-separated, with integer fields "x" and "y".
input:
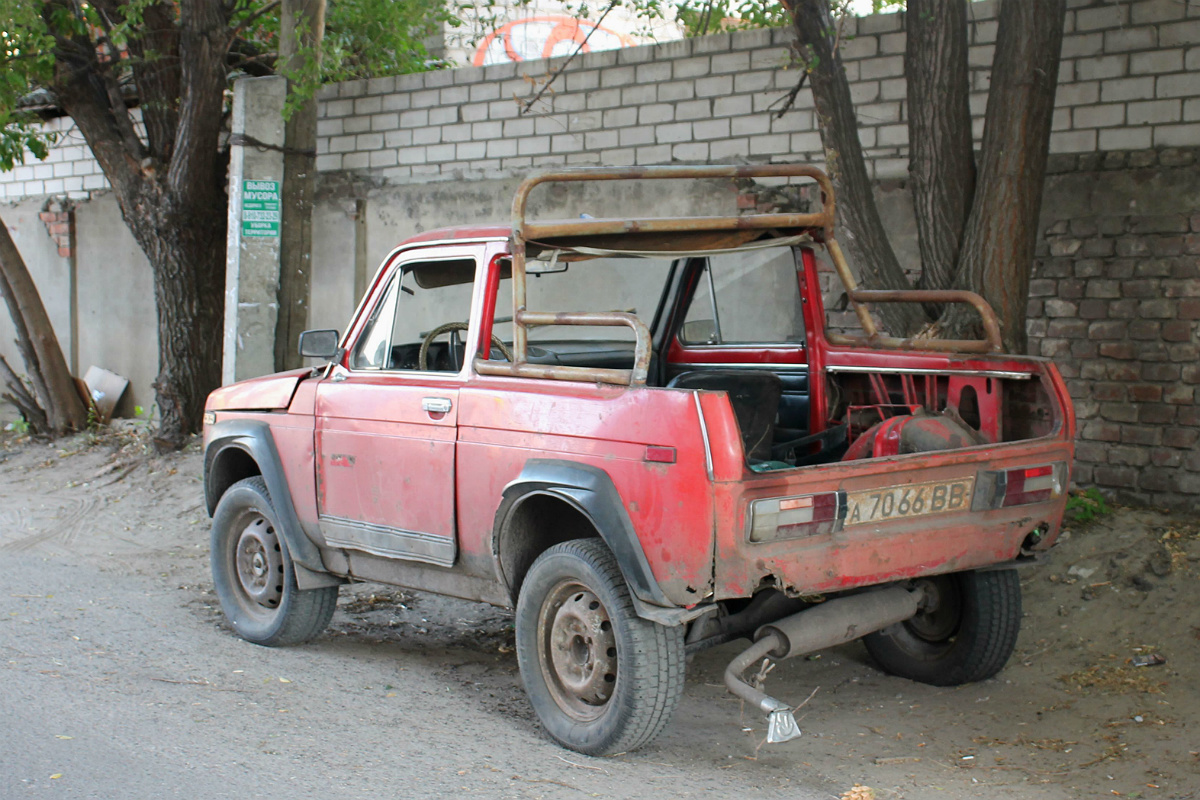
{"x": 827, "y": 625}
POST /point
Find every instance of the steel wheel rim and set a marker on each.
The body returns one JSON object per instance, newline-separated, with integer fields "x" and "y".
{"x": 939, "y": 622}
{"x": 258, "y": 563}
{"x": 577, "y": 650}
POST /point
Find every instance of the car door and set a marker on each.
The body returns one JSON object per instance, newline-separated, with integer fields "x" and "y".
{"x": 387, "y": 422}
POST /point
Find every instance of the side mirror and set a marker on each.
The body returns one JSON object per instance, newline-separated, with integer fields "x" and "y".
{"x": 699, "y": 331}
{"x": 319, "y": 344}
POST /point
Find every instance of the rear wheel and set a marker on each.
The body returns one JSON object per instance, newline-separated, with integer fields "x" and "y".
{"x": 601, "y": 679}
{"x": 965, "y": 633}
{"x": 253, "y": 574}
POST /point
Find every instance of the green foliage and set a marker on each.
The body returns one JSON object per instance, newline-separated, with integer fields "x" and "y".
{"x": 1087, "y": 505}
{"x": 25, "y": 62}
{"x": 145, "y": 414}
{"x": 19, "y": 136}
{"x": 719, "y": 16}
{"x": 363, "y": 39}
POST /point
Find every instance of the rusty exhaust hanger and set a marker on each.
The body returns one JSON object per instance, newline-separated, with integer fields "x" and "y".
{"x": 826, "y": 625}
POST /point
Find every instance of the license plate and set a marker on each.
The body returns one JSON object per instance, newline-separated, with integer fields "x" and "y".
{"x": 905, "y": 502}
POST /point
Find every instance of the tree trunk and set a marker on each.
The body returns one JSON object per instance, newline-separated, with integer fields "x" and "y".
{"x": 941, "y": 151}
{"x": 302, "y": 29}
{"x": 860, "y": 229}
{"x": 997, "y": 252}
{"x": 186, "y": 247}
{"x": 170, "y": 188}
{"x": 52, "y": 380}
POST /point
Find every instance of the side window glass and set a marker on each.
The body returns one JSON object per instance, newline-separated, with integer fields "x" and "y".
{"x": 427, "y": 303}
{"x": 746, "y": 298}
{"x": 700, "y": 325}
{"x": 373, "y": 346}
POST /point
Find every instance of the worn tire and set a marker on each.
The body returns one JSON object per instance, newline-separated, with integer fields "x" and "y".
{"x": 566, "y": 652}
{"x": 253, "y": 574}
{"x": 969, "y": 637}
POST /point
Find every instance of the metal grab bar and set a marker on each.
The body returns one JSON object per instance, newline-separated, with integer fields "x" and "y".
{"x": 992, "y": 343}
{"x": 622, "y": 377}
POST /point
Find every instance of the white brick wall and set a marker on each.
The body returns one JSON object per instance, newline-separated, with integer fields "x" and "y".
{"x": 1130, "y": 79}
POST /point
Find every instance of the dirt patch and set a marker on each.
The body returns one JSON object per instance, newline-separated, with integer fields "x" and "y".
{"x": 1073, "y": 714}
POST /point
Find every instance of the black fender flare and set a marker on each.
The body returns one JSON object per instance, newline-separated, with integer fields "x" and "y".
{"x": 254, "y": 438}
{"x": 590, "y": 491}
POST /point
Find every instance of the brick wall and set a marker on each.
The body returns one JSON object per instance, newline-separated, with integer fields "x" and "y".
{"x": 1130, "y": 79}
{"x": 1115, "y": 301}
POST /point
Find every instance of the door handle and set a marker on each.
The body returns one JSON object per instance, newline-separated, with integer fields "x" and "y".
{"x": 338, "y": 377}
{"x": 436, "y": 405}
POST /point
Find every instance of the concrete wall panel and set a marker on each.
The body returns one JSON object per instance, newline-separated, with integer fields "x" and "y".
{"x": 117, "y": 318}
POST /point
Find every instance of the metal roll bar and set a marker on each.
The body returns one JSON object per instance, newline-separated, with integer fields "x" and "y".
{"x": 859, "y": 298}
{"x": 626, "y": 377}
{"x": 819, "y": 223}
{"x": 524, "y": 231}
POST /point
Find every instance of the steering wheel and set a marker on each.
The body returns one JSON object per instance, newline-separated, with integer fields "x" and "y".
{"x": 446, "y": 327}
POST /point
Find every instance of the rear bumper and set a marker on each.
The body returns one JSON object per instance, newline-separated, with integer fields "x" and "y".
{"x": 818, "y": 559}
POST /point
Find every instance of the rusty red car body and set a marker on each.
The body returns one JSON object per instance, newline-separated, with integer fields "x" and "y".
{"x": 407, "y": 476}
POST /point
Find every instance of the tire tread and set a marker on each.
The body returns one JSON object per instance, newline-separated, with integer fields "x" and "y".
{"x": 304, "y": 613}
{"x": 986, "y": 639}
{"x": 654, "y": 694}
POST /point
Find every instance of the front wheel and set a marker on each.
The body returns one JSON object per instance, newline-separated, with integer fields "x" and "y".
{"x": 965, "y": 633}
{"x": 253, "y": 574}
{"x": 601, "y": 679}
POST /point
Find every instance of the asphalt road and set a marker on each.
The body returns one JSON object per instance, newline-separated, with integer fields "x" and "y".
{"x": 115, "y": 686}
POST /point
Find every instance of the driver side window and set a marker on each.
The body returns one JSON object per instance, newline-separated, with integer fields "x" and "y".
{"x": 421, "y": 298}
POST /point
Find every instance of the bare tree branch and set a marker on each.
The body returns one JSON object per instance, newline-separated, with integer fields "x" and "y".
{"x": 554, "y": 76}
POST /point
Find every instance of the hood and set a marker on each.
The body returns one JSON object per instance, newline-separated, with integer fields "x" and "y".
{"x": 267, "y": 392}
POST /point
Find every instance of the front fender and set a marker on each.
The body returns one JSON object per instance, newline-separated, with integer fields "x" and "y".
{"x": 253, "y": 437}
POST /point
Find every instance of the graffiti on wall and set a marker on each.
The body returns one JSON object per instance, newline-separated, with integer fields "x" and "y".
{"x": 545, "y": 37}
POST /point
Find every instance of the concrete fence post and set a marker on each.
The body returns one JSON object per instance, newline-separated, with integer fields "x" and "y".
{"x": 252, "y": 254}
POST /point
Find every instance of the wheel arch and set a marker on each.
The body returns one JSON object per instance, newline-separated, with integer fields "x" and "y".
{"x": 224, "y": 466}
{"x": 553, "y": 501}
{"x": 242, "y": 448}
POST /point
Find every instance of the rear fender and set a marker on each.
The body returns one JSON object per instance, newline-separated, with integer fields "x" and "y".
{"x": 591, "y": 492}
{"x": 254, "y": 438}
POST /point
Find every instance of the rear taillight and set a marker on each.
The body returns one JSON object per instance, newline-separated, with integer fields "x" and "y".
{"x": 795, "y": 517}
{"x": 1019, "y": 487}
{"x": 1032, "y": 485}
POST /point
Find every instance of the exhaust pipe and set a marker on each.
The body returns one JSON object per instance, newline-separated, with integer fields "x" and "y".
{"x": 826, "y": 625}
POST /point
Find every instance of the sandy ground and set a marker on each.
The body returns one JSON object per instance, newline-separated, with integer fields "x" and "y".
{"x": 118, "y": 677}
